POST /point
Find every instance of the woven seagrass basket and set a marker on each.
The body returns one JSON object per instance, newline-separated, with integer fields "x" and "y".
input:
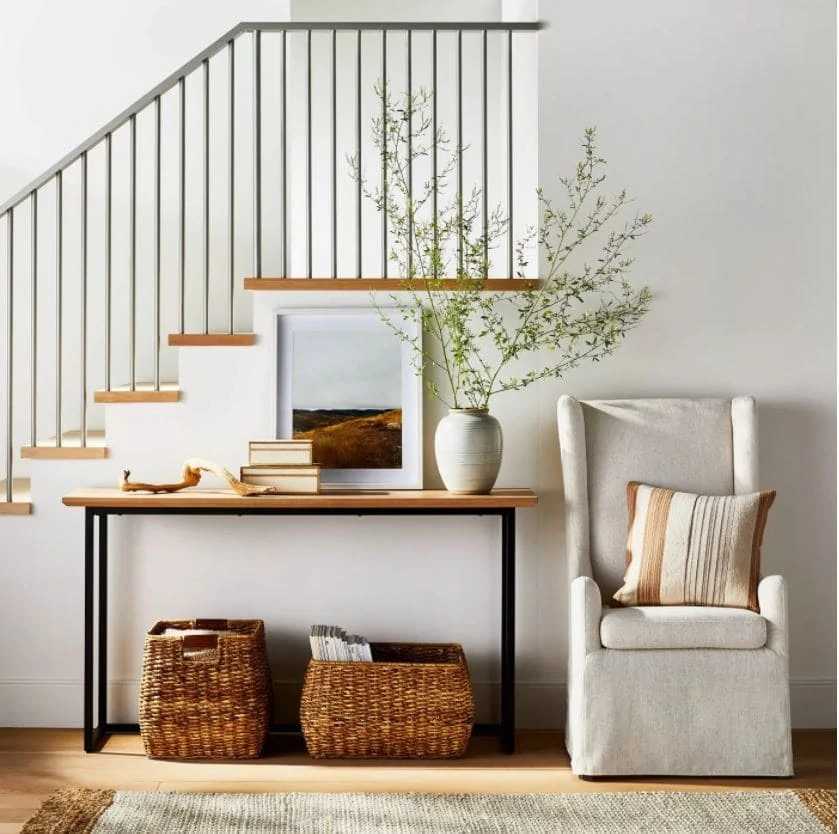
{"x": 205, "y": 696}
{"x": 413, "y": 701}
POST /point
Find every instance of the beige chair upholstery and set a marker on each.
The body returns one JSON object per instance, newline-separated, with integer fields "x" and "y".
{"x": 681, "y": 627}
{"x": 671, "y": 690}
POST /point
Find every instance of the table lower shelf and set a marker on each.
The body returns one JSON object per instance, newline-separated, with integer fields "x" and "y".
{"x": 103, "y": 731}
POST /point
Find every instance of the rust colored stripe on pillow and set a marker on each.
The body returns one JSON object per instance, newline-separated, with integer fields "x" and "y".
{"x": 766, "y": 499}
{"x": 649, "y": 583}
{"x": 631, "y": 496}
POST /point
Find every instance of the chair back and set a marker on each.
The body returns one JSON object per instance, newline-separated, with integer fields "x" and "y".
{"x": 706, "y": 446}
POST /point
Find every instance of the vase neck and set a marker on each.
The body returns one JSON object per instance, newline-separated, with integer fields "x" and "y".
{"x": 476, "y": 411}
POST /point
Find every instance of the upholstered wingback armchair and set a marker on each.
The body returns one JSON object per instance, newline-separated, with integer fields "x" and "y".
{"x": 671, "y": 689}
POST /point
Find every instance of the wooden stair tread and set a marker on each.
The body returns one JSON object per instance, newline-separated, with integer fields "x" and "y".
{"x": 143, "y": 392}
{"x": 21, "y": 497}
{"x": 212, "y": 339}
{"x": 71, "y": 447}
{"x": 385, "y": 284}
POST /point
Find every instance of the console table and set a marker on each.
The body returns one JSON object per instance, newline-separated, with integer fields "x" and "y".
{"x": 99, "y": 503}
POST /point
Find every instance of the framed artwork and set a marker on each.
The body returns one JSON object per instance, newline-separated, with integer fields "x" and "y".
{"x": 346, "y": 380}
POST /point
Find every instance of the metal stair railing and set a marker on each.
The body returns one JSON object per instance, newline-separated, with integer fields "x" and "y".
{"x": 96, "y": 333}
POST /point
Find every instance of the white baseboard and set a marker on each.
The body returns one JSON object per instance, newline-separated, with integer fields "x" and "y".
{"x": 539, "y": 706}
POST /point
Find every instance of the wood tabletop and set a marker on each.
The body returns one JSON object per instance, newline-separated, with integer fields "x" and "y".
{"x": 99, "y": 497}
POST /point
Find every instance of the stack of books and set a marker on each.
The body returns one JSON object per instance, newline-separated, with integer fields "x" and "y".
{"x": 285, "y": 465}
{"x": 333, "y": 643}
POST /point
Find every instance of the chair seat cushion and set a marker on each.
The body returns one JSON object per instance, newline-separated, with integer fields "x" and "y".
{"x": 681, "y": 627}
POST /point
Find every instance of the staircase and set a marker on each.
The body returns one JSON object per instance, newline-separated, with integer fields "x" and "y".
{"x": 151, "y": 235}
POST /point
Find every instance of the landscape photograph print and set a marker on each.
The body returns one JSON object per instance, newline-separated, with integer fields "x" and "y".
{"x": 346, "y": 396}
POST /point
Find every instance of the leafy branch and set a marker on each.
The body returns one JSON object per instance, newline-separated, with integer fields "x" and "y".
{"x": 575, "y": 313}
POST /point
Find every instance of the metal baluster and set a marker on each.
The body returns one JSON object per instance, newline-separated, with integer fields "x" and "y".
{"x": 231, "y": 181}
{"x": 510, "y": 153}
{"x": 157, "y": 164}
{"x": 459, "y": 153}
{"x": 257, "y": 157}
{"x": 309, "y": 153}
{"x": 10, "y": 299}
{"x": 182, "y": 202}
{"x": 334, "y": 155}
{"x": 434, "y": 192}
{"x": 384, "y": 152}
{"x": 59, "y": 281}
{"x": 358, "y": 151}
{"x": 410, "y": 164}
{"x": 108, "y": 258}
{"x": 83, "y": 303}
{"x": 283, "y": 137}
{"x": 206, "y": 195}
{"x": 132, "y": 280}
{"x": 484, "y": 160}
{"x": 33, "y": 219}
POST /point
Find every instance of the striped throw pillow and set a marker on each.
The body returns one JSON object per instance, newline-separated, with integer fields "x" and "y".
{"x": 685, "y": 549}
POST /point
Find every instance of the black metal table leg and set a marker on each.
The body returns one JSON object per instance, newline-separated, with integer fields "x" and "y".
{"x": 88, "y": 631}
{"x": 102, "y": 618}
{"x": 508, "y": 630}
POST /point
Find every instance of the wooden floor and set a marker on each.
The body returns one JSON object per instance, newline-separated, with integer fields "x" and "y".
{"x": 33, "y": 763}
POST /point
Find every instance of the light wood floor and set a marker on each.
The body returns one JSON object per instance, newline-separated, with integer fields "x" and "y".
{"x": 33, "y": 763}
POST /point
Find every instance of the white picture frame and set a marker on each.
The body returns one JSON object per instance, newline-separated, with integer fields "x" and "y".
{"x": 334, "y": 362}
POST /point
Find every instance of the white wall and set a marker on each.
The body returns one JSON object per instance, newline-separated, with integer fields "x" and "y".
{"x": 720, "y": 119}
{"x": 70, "y": 68}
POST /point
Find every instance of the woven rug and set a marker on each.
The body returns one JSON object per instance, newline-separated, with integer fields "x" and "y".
{"x": 85, "y": 811}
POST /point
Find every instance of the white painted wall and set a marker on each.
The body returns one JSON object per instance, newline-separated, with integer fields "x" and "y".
{"x": 69, "y": 69}
{"x": 720, "y": 119}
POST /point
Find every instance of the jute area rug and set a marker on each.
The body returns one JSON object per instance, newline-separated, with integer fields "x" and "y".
{"x": 74, "y": 811}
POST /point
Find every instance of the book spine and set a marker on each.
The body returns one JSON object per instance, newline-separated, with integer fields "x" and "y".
{"x": 293, "y": 484}
{"x": 334, "y": 644}
{"x": 313, "y": 642}
{"x": 280, "y": 457}
{"x": 280, "y": 469}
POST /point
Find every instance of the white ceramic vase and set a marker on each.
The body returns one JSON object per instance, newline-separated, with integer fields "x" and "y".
{"x": 468, "y": 447}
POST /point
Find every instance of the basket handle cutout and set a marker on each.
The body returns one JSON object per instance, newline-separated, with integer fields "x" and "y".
{"x": 200, "y": 641}
{"x": 213, "y": 625}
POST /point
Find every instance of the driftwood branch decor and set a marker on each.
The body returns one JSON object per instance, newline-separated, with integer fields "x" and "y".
{"x": 192, "y": 476}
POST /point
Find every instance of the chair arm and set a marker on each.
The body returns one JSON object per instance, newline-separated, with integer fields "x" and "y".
{"x": 586, "y": 610}
{"x": 772, "y": 601}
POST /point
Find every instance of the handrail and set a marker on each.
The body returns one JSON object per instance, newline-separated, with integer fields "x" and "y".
{"x": 216, "y": 46}
{"x": 398, "y": 25}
